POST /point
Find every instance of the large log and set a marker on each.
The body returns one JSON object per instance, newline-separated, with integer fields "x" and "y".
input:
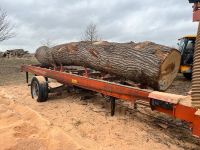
{"x": 146, "y": 63}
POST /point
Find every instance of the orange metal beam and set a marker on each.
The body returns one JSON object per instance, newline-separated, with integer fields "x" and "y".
{"x": 105, "y": 87}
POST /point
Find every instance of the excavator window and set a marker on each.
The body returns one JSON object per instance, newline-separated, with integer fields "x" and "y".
{"x": 190, "y": 46}
{"x": 186, "y": 47}
{"x": 181, "y": 45}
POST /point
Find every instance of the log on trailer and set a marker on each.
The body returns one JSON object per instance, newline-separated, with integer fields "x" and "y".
{"x": 147, "y": 63}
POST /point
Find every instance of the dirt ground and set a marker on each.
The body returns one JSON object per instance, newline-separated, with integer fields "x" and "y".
{"x": 67, "y": 122}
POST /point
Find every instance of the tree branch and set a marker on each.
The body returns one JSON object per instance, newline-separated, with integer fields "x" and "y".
{"x": 5, "y": 27}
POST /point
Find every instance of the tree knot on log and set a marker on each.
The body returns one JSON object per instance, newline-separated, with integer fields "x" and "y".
{"x": 70, "y": 48}
{"x": 93, "y": 52}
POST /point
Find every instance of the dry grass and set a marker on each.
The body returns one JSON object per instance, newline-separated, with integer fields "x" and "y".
{"x": 10, "y": 70}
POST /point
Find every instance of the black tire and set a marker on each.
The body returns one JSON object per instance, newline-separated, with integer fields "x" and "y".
{"x": 39, "y": 89}
{"x": 188, "y": 75}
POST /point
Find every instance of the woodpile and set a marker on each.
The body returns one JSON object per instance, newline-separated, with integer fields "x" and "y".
{"x": 146, "y": 63}
{"x": 14, "y": 53}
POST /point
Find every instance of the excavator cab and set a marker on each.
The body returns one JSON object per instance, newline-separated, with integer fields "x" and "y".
{"x": 186, "y": 47}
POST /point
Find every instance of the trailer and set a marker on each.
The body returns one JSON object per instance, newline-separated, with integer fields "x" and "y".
{"x": 177, "y": 106}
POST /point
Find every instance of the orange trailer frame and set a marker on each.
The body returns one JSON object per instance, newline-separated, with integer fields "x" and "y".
{"x": 128, "y": 93}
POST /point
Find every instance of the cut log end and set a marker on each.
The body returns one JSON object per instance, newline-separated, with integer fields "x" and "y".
{"x": 44, "y": 56}
{"x": 169, "y": 70}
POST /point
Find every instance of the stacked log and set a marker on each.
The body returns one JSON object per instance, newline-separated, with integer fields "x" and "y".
{"x": 147, "y": 63}
{"x": 15, "y": 53}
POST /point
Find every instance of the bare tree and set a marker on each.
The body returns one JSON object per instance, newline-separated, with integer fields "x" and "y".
{"x": 5, "y": 27}
{"x": 47, "y": 42}
{"x": 90, "y": 33}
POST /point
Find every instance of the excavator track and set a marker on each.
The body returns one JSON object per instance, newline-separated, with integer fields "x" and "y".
{"x": 196, "y": 73}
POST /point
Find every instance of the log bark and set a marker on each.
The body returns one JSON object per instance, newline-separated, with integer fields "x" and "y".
{"x": 146, "y": 63}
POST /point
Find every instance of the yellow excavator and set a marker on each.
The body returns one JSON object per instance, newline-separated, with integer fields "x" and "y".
{"x": 186, "y": 47}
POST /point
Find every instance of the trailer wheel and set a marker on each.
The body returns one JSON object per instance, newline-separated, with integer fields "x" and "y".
{"x": 39, "y": 88}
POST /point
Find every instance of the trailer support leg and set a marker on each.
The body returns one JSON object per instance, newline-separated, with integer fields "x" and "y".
{"x": 26, "y": 77}
{"x": 135, "y": 105}
{"x": 112, "y": 101}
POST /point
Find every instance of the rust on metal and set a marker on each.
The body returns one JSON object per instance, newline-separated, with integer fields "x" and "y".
{"x": 196, "y": 11}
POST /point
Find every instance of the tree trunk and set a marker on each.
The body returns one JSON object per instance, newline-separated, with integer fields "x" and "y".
{"x": 146, "y": 63}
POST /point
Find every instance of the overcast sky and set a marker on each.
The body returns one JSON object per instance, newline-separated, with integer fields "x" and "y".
{"x": 117, "y": 20}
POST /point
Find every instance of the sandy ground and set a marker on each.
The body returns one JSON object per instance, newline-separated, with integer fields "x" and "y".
{"x": 23, "y": 128}
{"x": 66, "y": 122}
